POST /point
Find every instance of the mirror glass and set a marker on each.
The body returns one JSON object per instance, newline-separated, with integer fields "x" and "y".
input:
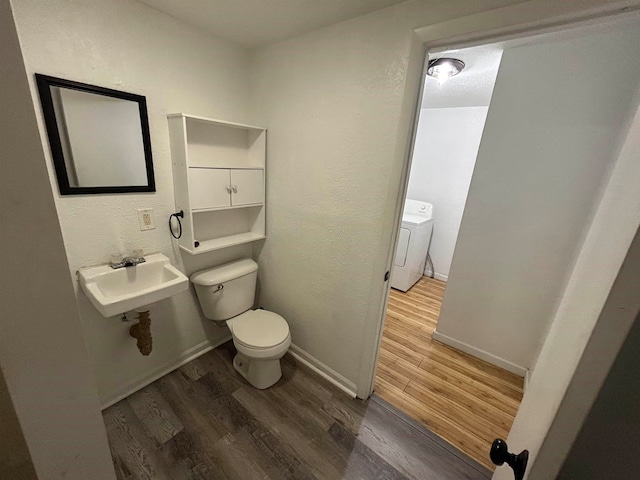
{"x": 99, "y": 137}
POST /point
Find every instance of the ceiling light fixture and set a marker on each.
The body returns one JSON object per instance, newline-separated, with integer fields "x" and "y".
{"x": 444, "y": 68}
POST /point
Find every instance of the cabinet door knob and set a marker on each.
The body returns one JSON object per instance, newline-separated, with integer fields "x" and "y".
{"x": 234, "y": 188}
{"x": 229, "y": 189}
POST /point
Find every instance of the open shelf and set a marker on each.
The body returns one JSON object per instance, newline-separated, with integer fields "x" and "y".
{"x": 224, "y": 242}
{"x": 233, "y": 207}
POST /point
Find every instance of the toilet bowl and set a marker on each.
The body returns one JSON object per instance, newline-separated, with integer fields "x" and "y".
{"x": 261, "y": 337}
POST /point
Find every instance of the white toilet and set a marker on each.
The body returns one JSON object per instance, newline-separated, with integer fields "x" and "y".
{"x": 261, "y": 337}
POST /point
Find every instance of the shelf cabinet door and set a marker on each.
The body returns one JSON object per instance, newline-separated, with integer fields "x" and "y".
{"x": 209, "y": 188}
{"x": 248, "y": 187}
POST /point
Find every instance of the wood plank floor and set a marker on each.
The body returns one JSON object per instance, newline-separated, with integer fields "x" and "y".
{"x": 203, "y": 421}
{"x": 464, "y": 400}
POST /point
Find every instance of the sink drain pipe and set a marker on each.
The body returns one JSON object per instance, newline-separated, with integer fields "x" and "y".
{"x": 141, "y": 331}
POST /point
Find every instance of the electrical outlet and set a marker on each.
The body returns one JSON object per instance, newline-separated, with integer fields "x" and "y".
{"x": 146, "y": 219}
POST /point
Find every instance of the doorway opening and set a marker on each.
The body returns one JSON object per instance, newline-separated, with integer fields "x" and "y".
{"x": 527, "y": 168}
{"x": 443, "y": 386}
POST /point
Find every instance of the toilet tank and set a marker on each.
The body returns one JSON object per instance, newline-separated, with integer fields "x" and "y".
{"x": 227, "y": 290}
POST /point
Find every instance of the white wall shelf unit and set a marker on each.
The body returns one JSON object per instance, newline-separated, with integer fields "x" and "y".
{"x": 219, "y": 181}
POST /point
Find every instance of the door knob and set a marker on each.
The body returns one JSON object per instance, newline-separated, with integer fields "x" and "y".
{"x": 500, "y": 454}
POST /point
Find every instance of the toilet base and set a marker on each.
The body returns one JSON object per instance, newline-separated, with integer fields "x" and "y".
{"x": 259, "y": 373}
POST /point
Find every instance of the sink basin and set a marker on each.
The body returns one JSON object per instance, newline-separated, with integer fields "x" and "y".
{"x": 116, "y": 291}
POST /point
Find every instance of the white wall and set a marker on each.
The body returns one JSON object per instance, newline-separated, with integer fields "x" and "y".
{"x": 333, "y": 101}
{"x": 43, "y": 357}
{"x": 127, "y": 46}
{"x": 548, "y": 146}
{"x": 444, "y": 155}
{"x": 593, "y": 318}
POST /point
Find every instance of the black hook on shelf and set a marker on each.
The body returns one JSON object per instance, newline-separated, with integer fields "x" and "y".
{"x": 178, "y": 216}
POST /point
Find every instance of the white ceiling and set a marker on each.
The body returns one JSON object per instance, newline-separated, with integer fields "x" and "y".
{"x": 470, "y": 88}
{"x": 253, "y": 23}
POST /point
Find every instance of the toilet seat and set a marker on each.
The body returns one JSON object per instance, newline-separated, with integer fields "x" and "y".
{"x": 260, "y": 352}
{"x": 260, "y": 329}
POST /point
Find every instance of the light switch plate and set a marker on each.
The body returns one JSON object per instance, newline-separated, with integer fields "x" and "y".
{"x": 146, "y": 219}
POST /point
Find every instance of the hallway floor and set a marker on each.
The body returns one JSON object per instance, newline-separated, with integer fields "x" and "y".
{"x": 203, "y": 421}
{"x": 464, "y": 400}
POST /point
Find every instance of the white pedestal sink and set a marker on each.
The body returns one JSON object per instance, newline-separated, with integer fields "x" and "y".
{"x": 116, "y": 291}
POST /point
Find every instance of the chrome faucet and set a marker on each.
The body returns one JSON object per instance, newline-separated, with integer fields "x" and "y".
{"x": 132, "y": 261}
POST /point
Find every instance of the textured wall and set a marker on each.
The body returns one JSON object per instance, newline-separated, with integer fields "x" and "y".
{"x": 595, "y": 314}
{"x": 333, "y": 101}
{"x": 444, "y": 155}
{"x": 43, "y": 358}
{"x": 545, "y": 156}
{"x": 128, "y": 46}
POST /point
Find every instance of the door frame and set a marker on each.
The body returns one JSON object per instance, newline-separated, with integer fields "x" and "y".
{"x": 520, "y": 20}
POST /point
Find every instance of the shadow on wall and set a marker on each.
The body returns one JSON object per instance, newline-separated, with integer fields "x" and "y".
{"x": 607, "y": 445}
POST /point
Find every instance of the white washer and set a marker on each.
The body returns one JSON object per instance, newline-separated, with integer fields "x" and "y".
{"x": 413, "y": 244}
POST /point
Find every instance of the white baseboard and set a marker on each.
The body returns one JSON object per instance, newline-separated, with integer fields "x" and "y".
{"x": 527, "y": 377}
{"x": 439, "y": 276}
{"x": 145, "y": 380}
{"x": 481, "y": 354}
{"x": 325, "y": 372}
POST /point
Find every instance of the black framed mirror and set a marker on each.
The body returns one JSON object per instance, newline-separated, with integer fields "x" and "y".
{"x": 99, "y": 137}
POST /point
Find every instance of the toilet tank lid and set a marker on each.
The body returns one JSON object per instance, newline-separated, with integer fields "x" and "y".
{"x": 224, "y": 273}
